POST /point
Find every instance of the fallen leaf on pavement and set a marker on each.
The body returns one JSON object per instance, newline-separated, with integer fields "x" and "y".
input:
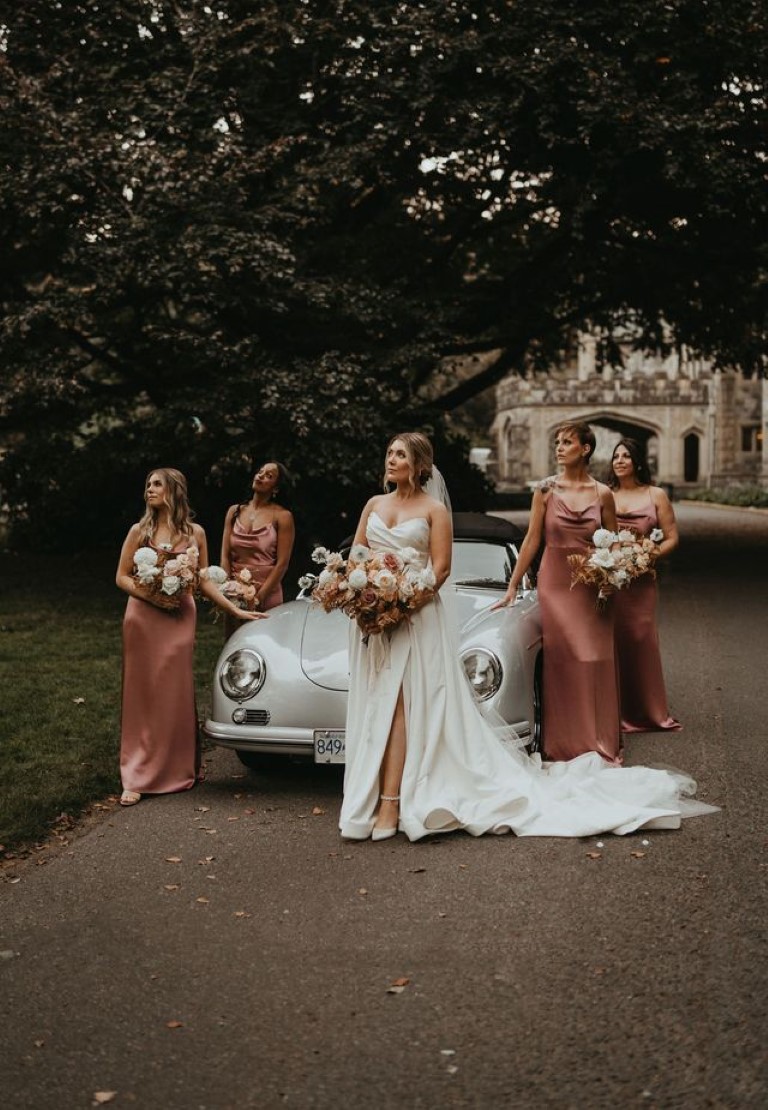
{"x": 101, "y": 1097}
{"x": 171, "y": 886}
{"x": 202, "y": 809}
{"x": 594, "y": 855}
{"x": 397, "y": 986}
{"x": 638, "y": 855}
{"x": 241, "y": 913}
{"x": 203, "y": 899}
{"x": 362, "y": 890}
{"x": 173, "y": 859}
{"x": 79, "y": 701}
{"x": 317, "y": 811}
{"x": 416, "y": 870}
{"x": 174, "y": 1025}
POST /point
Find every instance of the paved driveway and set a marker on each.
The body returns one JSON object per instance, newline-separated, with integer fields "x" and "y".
{"x": 224, "y": 950}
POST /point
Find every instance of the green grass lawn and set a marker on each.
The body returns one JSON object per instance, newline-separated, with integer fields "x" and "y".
{"x": 60, "y": 641}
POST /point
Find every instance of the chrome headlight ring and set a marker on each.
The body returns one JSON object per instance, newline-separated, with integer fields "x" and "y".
{"x": 242, "y": 674}
{"x": 484, "y": 672}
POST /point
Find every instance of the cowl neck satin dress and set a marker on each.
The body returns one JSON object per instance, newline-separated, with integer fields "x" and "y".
{"x": 643, "y": 694}
{"x": 159, "y": 738}
{"x": 460, "y": 771}
{"x": 256, "y": 550}
{"x": 579, "y": 678}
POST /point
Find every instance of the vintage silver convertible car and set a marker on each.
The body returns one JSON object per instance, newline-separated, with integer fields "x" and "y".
{"x": 280, "y": 685}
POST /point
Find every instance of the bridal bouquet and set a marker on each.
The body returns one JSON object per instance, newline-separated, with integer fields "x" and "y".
{"x": 166, "y": 576}
{"x": 604, "y": 565}
{"x": 377, "y": 589}
{"x": 240, "y": 588}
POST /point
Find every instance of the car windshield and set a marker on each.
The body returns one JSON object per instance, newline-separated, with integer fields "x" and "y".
{"x": 481, "y": 563}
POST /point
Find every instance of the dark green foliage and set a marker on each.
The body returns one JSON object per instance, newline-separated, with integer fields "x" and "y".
{"x": 222, "y": 240}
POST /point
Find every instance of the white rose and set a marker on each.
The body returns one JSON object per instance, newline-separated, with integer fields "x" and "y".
{"x": 426, "y": 578}
{"x": 657, "y": 535}
{"x": 359, "y": 553}
{"x": 602, "y": 538}
{"x": 146, "y": 575}
{"x": 334, "y": 560}
{"x": 620, "y": 577}
{"x": 625, "y": 536}
{"x": 385, "y": 580}
{"x": 320, "y": 555}
{"x": 358, "y": 579}
{"x": 145, "y": 557}
{"x": 215, "y": 574}
{"x": 326, "y": 577}
{"x": 405, "y": 589}
{"x": 409, "y": 555}
{"x": 171, "y": 584}
{"x": 603, "y": 558}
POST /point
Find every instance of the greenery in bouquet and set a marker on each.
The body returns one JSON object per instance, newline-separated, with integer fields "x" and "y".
{"x": 166, "y": 576}
{"x": 377, "y": 589}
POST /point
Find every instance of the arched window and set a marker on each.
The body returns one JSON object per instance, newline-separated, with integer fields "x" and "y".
{"x": 691, "y": 457}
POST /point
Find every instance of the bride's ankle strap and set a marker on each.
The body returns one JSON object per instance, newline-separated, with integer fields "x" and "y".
{"x": 390, "y": 797}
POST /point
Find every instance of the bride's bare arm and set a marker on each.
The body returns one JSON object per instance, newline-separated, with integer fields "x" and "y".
{"x": 440, "y": 544}
{"x": 362, "y": 526}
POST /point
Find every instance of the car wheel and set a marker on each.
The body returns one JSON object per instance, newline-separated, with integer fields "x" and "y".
{"x": 260, "y": 761}
{"x": 537, "y": 741}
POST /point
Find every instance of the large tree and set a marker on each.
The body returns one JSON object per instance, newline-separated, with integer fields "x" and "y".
{"x": 236, "y": 229}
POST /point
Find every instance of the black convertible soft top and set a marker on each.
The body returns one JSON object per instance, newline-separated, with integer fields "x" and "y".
{"x": 478, "y": 526}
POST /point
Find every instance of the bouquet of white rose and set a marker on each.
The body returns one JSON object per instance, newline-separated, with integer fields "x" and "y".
{"x": 377, "y": 589}
{"x": 166, "y": 576}
{"x": 240, "y": 588}
{"x": 639, "y": 553}
{"x": 602, "y": 565}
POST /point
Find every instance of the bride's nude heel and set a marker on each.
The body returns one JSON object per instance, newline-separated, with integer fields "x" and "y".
{"x": 385, "y": 834}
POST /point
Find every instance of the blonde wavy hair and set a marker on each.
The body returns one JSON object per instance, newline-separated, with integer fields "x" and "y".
{"x": 420, "y": 456}
{"x": 176, "y": 500}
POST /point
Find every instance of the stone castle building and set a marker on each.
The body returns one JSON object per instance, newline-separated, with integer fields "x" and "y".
{"x": 701, "y": 427}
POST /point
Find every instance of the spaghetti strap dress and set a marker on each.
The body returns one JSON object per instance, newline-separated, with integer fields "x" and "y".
{"x": 159, "y": 751}
{"x": 643, "y": 694}
{"x": 256, "y": 550}
{"x": 461, "y": 772}
{"x": 579, "y": 679}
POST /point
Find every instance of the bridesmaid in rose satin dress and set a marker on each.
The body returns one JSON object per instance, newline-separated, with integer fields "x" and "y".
{"x": 259, "y": 535}
{"x": 641, "y": 507}
{"x": 579, "y": 679}
{"x": 158, "y": 744}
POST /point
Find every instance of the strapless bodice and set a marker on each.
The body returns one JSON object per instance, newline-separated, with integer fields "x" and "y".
{"x": 412, "y": 534}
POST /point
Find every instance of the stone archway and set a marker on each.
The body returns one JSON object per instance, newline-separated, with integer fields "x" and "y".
{"x": 609, "y": 427}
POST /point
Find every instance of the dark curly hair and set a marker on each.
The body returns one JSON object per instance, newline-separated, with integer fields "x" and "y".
{"x": 636, "y": 452}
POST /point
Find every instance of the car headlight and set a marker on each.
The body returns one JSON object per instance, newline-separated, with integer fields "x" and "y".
{"x": 242, "y": 674}
{"x": 484, "y": 671}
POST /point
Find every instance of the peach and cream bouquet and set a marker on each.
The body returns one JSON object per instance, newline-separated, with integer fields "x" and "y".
{"x": 639, "y": 553}
{"x": 377, "y": 589}
{"x": 166, "y": 576}
{"x": 241, "y": 588}
{"x": 615, "y": 560}
{"x": 602, "y": 565}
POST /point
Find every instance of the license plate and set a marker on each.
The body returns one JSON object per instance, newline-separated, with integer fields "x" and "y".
{"x": 329, "y": 745}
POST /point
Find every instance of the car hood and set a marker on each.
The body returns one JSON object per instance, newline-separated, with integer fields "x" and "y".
{"x": 325, "y": 648}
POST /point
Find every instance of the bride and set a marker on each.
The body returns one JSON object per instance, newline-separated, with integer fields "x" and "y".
{"x": 420, "y": 757}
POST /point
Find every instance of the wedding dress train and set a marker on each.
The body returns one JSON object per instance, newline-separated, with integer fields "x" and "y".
{"x": 459, "y": 773}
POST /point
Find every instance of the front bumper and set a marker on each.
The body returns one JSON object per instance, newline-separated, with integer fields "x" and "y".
{"x": 271, "y": 741}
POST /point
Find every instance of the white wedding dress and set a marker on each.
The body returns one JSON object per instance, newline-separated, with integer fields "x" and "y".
{"x": 459, "y": 773}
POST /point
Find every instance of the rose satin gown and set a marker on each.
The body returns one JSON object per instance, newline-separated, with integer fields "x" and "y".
{"x": 158, "y": 743}
{"x": 460, "y": 772}
{"x": 257, "y": 551}
{"x": 580, "y": 682}
{"x": 643, "y": 695}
